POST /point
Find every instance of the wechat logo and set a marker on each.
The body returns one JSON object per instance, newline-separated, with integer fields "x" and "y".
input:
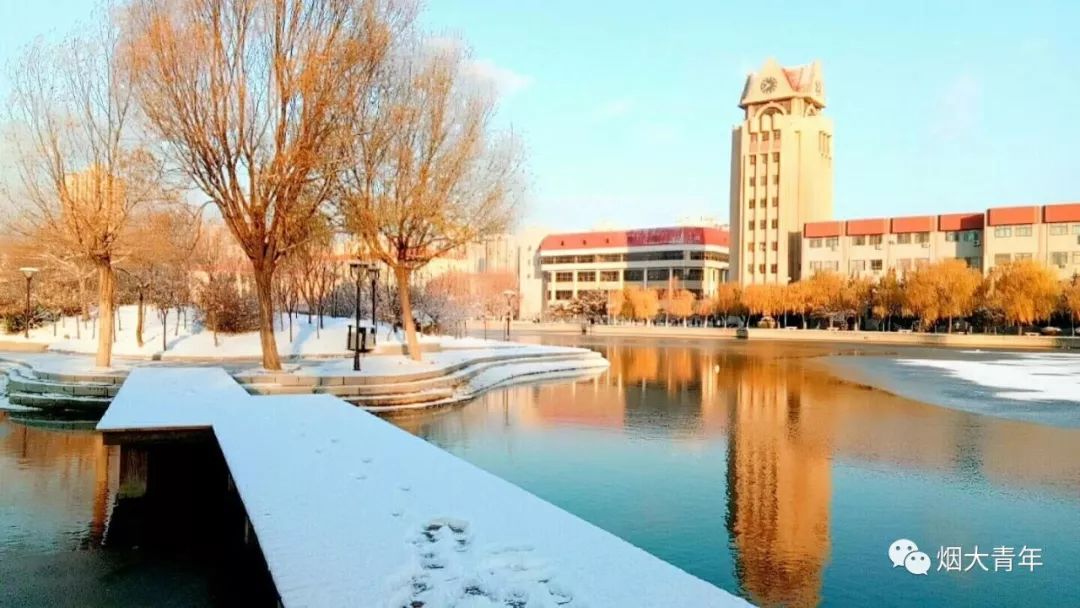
{"x": 904, "y": 552}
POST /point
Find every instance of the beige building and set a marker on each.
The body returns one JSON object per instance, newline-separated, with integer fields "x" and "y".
{"x": 781, "y": 171}
{"x": 694, "y": 258}
{"x": 870, "y": 247}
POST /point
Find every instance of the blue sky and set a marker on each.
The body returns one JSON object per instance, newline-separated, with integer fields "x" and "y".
{"x": 626, "y": 107}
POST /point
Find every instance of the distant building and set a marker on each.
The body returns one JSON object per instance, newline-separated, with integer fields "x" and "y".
{"x": 690, "y": 257}
{"x": 870, "y": 247}
{"x": 781, "y": 171}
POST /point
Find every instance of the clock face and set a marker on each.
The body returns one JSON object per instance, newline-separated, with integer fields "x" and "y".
{"x": 768, "y": 85}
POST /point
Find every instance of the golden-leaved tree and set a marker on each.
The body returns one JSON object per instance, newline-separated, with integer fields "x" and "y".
{"x": 942, "y": 290}
{"x": 727, "y": 300}
{"x": 256, "y": 102}
{"x": 83, "y": 173}
{"x": 1070, "y": 301}
{"x": 888, "y": 299}
{"x": 1024, "y": 291}
{"x": 429, "y": 174}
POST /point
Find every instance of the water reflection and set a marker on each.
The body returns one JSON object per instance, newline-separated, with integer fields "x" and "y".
{"x": 780, "y": 442}
{"x": 55, "y": 487}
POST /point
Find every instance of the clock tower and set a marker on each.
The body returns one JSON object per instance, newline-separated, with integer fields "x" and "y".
{"x": 781, "y": 171}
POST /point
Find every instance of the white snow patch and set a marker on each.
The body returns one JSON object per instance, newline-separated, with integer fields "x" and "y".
{"x": 1018, "y": 376}
{"x": 349, "y": 510}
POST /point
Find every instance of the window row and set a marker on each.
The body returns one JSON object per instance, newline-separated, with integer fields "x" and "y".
{"x": 764, "y": 158}
{"x": 761, "y": 180}
{"x": 637, "y": 256}
{"x": 761, "y": 202}
{"x": 1009, "y": 231}
{"x": 775, "y": 223}
{"x": 761, "y": 268}
{"x": 967, "y": 236}
{"x": 831, "y": 241}
{"x": 774, "y": 245}
{"x": 820, "y": 265}
{"x": 764, "y": 136}
{"x": 637, "y": 274}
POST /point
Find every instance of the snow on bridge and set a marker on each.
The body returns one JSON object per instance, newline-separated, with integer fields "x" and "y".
{"x": 349, "y": 510}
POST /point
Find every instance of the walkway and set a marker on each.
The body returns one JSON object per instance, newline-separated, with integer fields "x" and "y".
{"x": 349, "y": 510}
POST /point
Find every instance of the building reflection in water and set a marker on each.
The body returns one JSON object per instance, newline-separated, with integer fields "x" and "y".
{"x": 55, "y": 486}
{"x": 785, "y": 421}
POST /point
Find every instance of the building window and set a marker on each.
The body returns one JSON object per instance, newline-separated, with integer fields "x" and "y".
{"x": 776, "y": 179}
{"x": 875, "y": 265}
{"x": 1023, "y": 230}
{"x": 775, "y": 245}
{"x": 775, "y": 201}
{"x": 903, "y": 239}
{"x": 753, "y": 159}
{"x": 564, "y": 294}
{"x": 772, "y": 269}
{"x": 1003, "y": 232}
{"x": 1076, "y": 257}
{"x": 875, "y": 239}
{"x": 1076, "y": 228}
{"x": 1059, "y": 258}
{"x": 765, "y": 136}
{"x": 762, "y": 245}
{"x": 904, "y": 264}
{"x": 633, "y": 275}
{"x": 972, "y": 236}
{"x": 659, "y": 274}
{"x": 951, "y": 236}
{"x": 1023, "y": 256}
{"x": 609, "y": 276}
{"x": 761, "y": 224}
{"x": 857, "y": 265}
{"x": 815, "y": 266}
{"x": 564, "y": 277}
{"x": 761, "y": 180}
{"x": 750, "y": 182}
{"x": 610, "y": 257}
{"x": 586, "y": 277}
{"x": 775, "y": 223}
{"x": 975, "y": 263}
{"x": 750, "y": 225}
{"x": 832, "y": 241}
{"x": 761, "y": 268}
{"x": 1002, "y": 258}
{"x": 678, "y": 273}
{"x": 753, "y": 138}
{"x": 693, "y": 274}
{"x": 922, "y": 237}
{"x": 776, "y": 156}
{"x": 750, "y": 269}
{"x": 815, "y": 243}
{"x": 858, "y": 240}
{"x": 1058, "y": 229}
{"x": 776, "y": 134}
{"x": 750, "y": 246}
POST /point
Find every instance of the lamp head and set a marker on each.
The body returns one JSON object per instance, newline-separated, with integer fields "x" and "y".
{"x": 28, "y": 271}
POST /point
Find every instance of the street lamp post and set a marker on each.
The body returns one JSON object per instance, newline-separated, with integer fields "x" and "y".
{"x": 509, "y": 293}
{"x": 357, "y": 267}
{"x": 28, "y": 272}
{"x": 373, "y": 271}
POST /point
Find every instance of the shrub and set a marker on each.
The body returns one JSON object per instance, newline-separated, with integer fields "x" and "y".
{"x": 223, "y": 307}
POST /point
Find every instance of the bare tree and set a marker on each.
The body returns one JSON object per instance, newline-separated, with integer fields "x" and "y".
{"x": 254, "y": 99}
{"x": 83, "y": 174}
{"x": 430, "y": 174}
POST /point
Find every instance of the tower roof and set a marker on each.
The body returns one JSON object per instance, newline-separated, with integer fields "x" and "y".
{"x": 774, "y": 82}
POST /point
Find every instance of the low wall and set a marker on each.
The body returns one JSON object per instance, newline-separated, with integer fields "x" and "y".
{"x": 997, "y": 341}
{"x": 23, "y": 346}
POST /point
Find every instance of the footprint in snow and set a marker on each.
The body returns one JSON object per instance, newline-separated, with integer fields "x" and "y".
{"x": 451, "y": 572}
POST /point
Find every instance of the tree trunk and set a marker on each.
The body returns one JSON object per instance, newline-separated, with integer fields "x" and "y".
{"x": 290, "y": 315}
{"x": 139, "y": 319}
{"x": 264, "y": 289}
{"x": 164, "y": 329}
{"x": 106, "y": 297}
{"x": 949, "y": 331}
{"x": 402, "y": 275}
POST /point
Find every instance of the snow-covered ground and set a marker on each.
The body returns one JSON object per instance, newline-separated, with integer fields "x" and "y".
{"x": 191, "y": 341}
{"x": 349, "y": 510}
{"x": 1035, "y": 387}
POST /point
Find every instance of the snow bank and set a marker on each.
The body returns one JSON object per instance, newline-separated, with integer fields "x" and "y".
{"x": 349, "y": 510}
{"x": 190, "y": 341}
{"x": 1022, "y": 377}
